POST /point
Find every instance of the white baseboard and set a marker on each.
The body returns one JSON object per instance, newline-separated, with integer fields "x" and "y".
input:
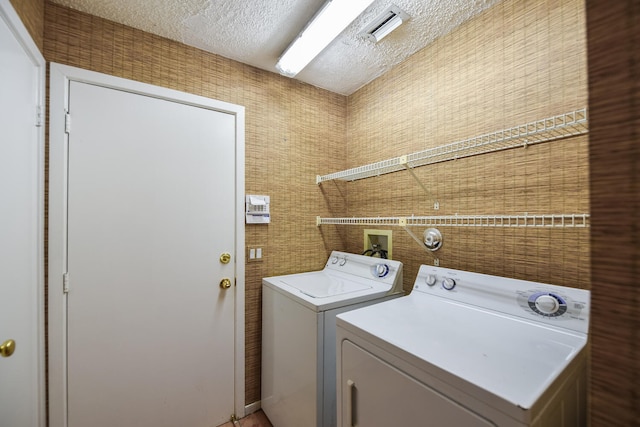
{"x": 252, "y": 407}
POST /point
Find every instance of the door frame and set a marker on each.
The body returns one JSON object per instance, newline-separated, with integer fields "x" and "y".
{"x": 60, "y": 78}
{"x": 20, "y": 32}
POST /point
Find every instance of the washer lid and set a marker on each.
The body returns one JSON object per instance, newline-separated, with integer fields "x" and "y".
{"x": 323, "y": 286}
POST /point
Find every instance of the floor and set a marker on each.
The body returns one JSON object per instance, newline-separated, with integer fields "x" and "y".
{"x": 257, "y": 419}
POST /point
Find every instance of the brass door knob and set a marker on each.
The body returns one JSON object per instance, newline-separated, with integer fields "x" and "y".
{"x": 7, "y": 348}
{"x": 225, "y": 283}
{"x": 225, "y": 258}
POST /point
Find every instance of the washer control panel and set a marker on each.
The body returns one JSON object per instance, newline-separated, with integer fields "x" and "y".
{"x": 378, "y": 269}
{"x": 381, "y": 270}
{"x": 550, "y": 304}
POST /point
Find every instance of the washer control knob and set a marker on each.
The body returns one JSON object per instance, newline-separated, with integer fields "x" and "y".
{"x": 380, "y": 270}
{"x": 343, "y": 261}
{"x": 431, "y": 279}
{"x": 448, "y": 283}
{"x": 547, "y": 304}
{"x": 334, "y": 260}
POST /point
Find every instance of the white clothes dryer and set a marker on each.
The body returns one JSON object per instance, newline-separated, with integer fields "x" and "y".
{"x": 466, "y": 349}
{"x": 299, "y": 333}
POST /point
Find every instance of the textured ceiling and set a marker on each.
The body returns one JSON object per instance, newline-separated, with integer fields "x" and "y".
{"x": 256, "y": 32}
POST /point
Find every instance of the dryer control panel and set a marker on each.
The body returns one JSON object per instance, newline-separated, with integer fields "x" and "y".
{"x": 542, "y": 302}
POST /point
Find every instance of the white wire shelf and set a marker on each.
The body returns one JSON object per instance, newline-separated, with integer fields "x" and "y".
{"x": 550, "y": 129}
{"x": 526, "y": 220}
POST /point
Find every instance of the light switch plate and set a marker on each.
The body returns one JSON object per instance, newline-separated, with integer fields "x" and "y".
{"x": 255, "y": 253}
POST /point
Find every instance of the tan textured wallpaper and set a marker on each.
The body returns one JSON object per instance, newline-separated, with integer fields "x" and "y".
{"x": 614, "y": 98}
{"x": 292, "y": 131}
{"x": 31, "y": 13}
{"x": 518, "y": 62}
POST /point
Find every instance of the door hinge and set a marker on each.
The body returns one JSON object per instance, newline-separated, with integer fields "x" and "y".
{"x": 65, "y": 283}
{"x": 39, "y": 118}
{"x": 67, "y": 123}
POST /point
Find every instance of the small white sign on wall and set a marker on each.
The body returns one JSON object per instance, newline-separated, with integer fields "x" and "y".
{"x": 257, "y": 209}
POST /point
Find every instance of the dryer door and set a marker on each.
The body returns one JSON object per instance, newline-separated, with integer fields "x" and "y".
{"x": 375, "y": 393}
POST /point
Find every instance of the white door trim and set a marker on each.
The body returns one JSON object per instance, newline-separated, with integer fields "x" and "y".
{"x": 15, "y": 25}
{"x": 60, "y": 76}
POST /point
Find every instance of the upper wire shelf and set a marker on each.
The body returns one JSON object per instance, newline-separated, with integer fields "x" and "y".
{"x": 526, "y": 220}
{"x": 552, "y": 128}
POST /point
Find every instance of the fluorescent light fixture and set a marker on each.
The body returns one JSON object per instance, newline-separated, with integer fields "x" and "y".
{"x": 386, "y": 22}
{"x": 330, "y": 21}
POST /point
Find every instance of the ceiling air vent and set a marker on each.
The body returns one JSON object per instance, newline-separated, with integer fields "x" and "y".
{"x": 386, "y": 22}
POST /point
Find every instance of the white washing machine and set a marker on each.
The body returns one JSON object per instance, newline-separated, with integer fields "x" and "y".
{"x": 299, "y": 333}
{"x": 466, "y": 349}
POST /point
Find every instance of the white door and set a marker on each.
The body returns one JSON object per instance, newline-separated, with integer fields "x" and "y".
{"x": 151, "y": 209}
{"x": 21, "y": 229}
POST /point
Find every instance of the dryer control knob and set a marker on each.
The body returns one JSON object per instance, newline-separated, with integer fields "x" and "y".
{"x": 334, "y": 260}
{"x": 431, "y": 279}
{"x": 547, "y": 304}
{"x": 380, "y": 270}
{"x": 448, "y": 283}
{"x": 343, "y": 261}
